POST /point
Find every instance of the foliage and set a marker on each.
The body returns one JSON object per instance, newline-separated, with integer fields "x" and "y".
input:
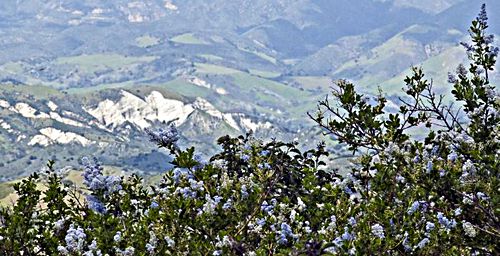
{"x": 433, "y": 196}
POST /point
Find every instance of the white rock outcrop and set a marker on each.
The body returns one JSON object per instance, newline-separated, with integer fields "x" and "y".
{"x": 171, "y": 6}
{"x": 141, "y": 112}
{"x": 49, "y": 136}
{"x": 4, "y": 104}
{"x": 207, "y": 107}
{"x": 248, "y": 124}
{"x": 52, "y": 106}
{"x": 4, "y": 125}
{"x": 199, "y": 82}
{"x": 28, "y": 111}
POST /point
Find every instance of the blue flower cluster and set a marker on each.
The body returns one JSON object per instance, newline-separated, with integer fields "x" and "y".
{"x": 95, "y": 204}
{"x": 285, "y": 233}
{"x": 94, "y": 179}
{"x": 445, "y": 222}
{"x": 75, "y": 241}
{"x": 164, "y": 137}
{"x": 378, "y": 231}
{"x": 268, "y": 208}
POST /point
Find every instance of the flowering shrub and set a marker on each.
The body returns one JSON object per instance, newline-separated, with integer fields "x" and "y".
{"x": 435, "y": 196}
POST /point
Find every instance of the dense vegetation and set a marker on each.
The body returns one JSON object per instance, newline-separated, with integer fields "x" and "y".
{"x": 434, "y": 196}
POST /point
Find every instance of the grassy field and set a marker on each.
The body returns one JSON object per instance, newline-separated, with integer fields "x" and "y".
{"x": 85, "y": 90}
{"x": 435, "y": 68}
{"x": 313, "y": 82}
{"x": 214, "y": 69}
{"x": 260, "y": 55}
{"x": 147, "y": 41}
{"x": 297, "y": 102}
{"x": 210, "y": 57}
{"x": 248, "y": 81}
{"x": 11, "y": 68}
{"x": 264, "y": 74}
{"x": 37, "y": 91}
{"x": 97, "y": 62}
{"x": 8, "y": 195}
{"x": 182, "y": 87}
{"x": 188, "y": 38}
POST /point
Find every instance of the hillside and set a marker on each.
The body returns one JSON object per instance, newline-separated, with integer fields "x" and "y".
{"x": 86, "y": 78}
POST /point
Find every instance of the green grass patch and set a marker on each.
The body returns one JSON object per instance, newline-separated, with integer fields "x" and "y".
{"x": 435, "y": 68}
{"x": 313, "y": 82}
{"x": 260, "y": 55}
{"x": 147, "y": 41}
{"x": 85, "y": 90}
{"x": 11, "y": 68}
{"x": 210, "y": 57}
{"x": 264, "y": 74}
{"x": 6, "y": 189}
{"x": 188, "y": 38}
{"x": 182, "y": 87}
{"x": 396, "y": 46}
{"x": 245, "y": 80}
{"x": 214, "y": 69}
{"x": 97, "y": 62}
{"x": 37, "y": 91}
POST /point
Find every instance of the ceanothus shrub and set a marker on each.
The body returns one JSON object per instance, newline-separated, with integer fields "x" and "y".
{"x": 432, "y": 196}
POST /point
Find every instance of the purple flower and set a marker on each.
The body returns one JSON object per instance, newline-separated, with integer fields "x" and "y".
{"x": 227, "y": 205}
{"x": 348, "y": 190}
{"x": 338, "y": 241}
{"x": 414, "y": 207}
{"x": 244, "y": 192}
{"x": 378, "y": 231}
{"x": 186, "y": 192}
{"x": 489, "y": 39}
{"x": 164, "y": 137}
{"x": 154, "y": 205}
{"x": 452, "y": 79}
{"x": 267, "y": 208}
{"x": 347, "y": 236}
{"x": 75, "y": 239}
{"x": 217, "y": 199}
{"x": 482, "y": 16}
{"x": 461, "y": 70}
{"x": 442, "y": 173}
{"x": 264, "y": 166}
{"x": 94, "y": 179}
{"x": 423, "y": 243}
{"x": 494, "y": 52}
{"x": 286, "y": 231}
{"x": 261, "y": 222}
{"x": 416, "y": 159}
{"x": 444, "y": 221}
{"x": 118, "y": 236}
{"x": 200, "y": 163}
{"x": 452, "y": 157}
{"x": 179, "y": 173}
{"x": 482, "y": 196}
{"x": 429, "y": 166}
{"x": 245, "y": 157}
{"x": 264, "y": 153}
{"x": 352, "y": 221}
{"x": 95, "y": 204}
{"x": 429, "y": 226}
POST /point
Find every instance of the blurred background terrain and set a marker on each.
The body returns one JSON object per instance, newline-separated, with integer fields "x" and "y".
{"x": 87, "y": 77}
